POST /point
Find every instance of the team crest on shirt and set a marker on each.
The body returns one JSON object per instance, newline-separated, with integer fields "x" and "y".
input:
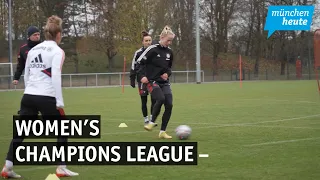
{"x": 168, "y": 57}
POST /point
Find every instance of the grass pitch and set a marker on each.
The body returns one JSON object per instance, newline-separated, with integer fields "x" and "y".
{"x": 264, "y": 130}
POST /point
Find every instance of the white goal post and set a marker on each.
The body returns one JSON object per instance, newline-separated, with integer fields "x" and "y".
{"x": 7, "y": 69}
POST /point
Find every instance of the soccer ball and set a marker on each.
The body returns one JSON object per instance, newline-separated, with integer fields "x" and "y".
{"x": 183, "y": 132}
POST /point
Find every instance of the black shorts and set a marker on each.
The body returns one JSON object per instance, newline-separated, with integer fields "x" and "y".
{"x": 166, "y": 88}
{"x": 32, "y": 104}
{"x": 142, "y": 88}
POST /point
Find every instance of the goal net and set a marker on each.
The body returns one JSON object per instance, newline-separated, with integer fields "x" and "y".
{"x": 6, "y": 73}
{"x": 7, "y": 69}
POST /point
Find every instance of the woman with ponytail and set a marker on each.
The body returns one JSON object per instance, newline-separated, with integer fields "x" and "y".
{"x": 154, "y": 71}
{"x": 143, "y": 92}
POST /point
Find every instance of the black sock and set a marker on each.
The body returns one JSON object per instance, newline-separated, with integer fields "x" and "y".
{"x": 144, "y": 108}
{"x": 62, "y": 141}
{"x": 10, "y": 153}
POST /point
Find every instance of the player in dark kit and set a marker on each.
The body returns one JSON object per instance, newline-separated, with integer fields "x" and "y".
{"x": 154, "y": 70}
{"x": 143, "y": 91}
{"x": 43, "y": 89}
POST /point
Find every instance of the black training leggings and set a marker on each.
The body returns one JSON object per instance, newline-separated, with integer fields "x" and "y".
{"x": 163, "y": 96}
{"x": 30, "y": 106}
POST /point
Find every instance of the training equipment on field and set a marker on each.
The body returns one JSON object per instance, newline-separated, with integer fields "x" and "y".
{"x": 122, "y": 125}
{"x": 183, "y": 132}
{"x": 52, "y": 177}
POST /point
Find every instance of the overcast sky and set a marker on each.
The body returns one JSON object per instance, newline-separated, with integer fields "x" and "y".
{"x": 316, "y": 16}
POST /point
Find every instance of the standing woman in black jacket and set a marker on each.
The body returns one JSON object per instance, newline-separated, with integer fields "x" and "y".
{"x": 155, "y": 69}
{"x": 143, "y": 92}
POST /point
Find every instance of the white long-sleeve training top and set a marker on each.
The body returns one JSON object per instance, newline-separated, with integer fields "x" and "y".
{"x": 43, "y": 71}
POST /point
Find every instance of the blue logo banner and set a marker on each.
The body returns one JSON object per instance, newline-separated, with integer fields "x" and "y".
{"x": 288, "y": 18}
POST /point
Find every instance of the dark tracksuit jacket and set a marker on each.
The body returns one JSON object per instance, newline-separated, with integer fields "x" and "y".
{"x": 22, "y": 57}
{"x": 155, "y": 61}
{"x": 134, "y": 66}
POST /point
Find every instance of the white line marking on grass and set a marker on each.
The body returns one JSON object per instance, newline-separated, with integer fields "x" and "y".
{"x": 36, "y": 168}
{"x": 276, "y": 100}
{"x": 307, "y": 102}
{"x": 141, "y": 121}
{"x": 203, "y": 155}
{"x": 281, "y": 127}
{"x": 281, "y": 120}
{"x": 235, "y": 124}
{"x": 279, "y": 100}
{"x": 228, "y": 125}
{"x": 132, "y": 132}
{"x": 281, "y": 142}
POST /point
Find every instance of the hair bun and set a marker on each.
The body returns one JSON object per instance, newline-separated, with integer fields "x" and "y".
{"x": 144, "y": 33}
{"x": 53, "y": 27}
{"x": 167, "y": 28}
{"x": 54, "y": 20}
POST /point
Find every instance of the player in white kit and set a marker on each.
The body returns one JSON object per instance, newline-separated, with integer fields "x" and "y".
{"x": 43, "y": 89}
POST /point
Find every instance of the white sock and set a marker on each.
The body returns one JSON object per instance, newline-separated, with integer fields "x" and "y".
{"x": 62, "y": 166}
{"x": 146, "y": 119}
{"x": 9, "y": 164}
{"x": 161, "y": 131}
